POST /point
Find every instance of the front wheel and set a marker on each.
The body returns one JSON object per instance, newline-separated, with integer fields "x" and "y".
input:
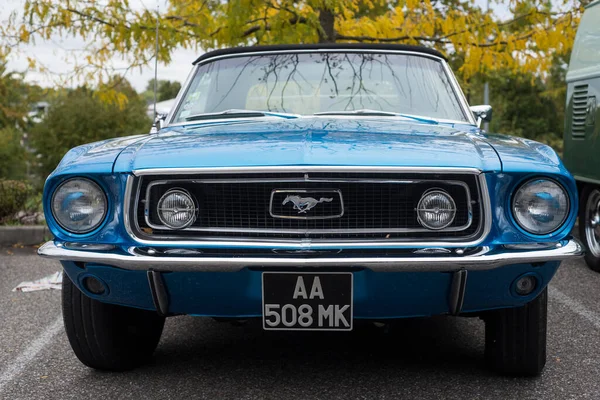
{"x": 515, "y": 338}
{"x": 589, "y": 225}
{"x": 106, "y": 336}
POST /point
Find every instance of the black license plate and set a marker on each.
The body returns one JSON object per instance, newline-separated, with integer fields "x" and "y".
{"x": 307, "y": 301}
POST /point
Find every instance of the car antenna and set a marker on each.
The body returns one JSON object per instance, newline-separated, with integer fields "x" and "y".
{"x": 155, "y": 124}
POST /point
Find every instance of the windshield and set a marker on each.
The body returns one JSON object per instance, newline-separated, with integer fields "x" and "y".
{"x": 322, "y": 82}
{"x": 586, "y": 53}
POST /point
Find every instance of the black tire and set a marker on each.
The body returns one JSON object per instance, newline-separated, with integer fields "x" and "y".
{"x": 515, "y": 338}
{"x": 106, "y": 336}
{"x": 589, "y": 194}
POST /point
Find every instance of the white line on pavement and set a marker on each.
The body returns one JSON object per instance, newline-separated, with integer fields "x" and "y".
{"x": 27, "y": 356}
{"x": 575, "y": 306}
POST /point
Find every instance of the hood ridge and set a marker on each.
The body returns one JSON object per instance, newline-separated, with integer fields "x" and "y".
{"x": 312, "y": 141}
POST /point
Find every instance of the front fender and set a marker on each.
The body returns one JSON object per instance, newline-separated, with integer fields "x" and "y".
{"x": 520, "y": 155}
{"x": 97, "y": 157}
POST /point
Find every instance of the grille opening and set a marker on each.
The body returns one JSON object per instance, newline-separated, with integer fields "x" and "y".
{"x": 376, "y": 206}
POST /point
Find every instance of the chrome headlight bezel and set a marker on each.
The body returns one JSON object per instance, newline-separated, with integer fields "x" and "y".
{"x": 521, "y": 224}
{"x": 451, "y": 211}
{"x": 73, "y": 229}
{"x": 184, "y": 193}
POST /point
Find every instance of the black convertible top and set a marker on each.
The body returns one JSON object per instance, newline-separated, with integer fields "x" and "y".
{"x": 321, "y": 46}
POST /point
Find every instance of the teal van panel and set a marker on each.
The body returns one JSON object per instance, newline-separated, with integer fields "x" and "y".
{"x": 582, "y": 133}
{"x": 582, "y": 117}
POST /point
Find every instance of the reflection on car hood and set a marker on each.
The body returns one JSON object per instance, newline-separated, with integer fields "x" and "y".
{"x": 312, "y": 141}
{"x": 520, "y": 154}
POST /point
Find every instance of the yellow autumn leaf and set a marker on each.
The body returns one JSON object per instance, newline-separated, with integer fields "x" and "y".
{"x": 523, "y": 41}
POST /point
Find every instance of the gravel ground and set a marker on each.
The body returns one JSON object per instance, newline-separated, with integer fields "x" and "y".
{"x": 200, "y": 358}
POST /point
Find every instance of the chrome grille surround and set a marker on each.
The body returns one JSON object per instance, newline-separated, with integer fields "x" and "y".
{"x": 323, "y": 238}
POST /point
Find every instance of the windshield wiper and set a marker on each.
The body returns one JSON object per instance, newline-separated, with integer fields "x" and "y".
{"x": 368, "y": 112}
{"x": 235, "y": 113}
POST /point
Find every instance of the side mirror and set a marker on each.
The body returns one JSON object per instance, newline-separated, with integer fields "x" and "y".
{"x": 482, "y": 114}
{"x": 159, "y": 122}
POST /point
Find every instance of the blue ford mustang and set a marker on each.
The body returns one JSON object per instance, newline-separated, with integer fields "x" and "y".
{"x": 311, "y": 186}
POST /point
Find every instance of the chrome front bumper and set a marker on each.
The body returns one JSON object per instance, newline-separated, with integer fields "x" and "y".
{"x": 484, "y": 259}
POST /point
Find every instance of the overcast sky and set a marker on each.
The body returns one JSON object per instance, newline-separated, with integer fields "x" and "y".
{"x": 52, "y": 53}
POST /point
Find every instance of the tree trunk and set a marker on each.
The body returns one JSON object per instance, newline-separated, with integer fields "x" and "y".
{"x": 327, "y": 32}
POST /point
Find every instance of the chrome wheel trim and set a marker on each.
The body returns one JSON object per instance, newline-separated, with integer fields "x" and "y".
{"x": 592, "y": 223}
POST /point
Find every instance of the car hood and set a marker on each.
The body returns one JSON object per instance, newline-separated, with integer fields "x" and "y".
{"x": 312, "y": 141}
{"x": 524, "y": 155}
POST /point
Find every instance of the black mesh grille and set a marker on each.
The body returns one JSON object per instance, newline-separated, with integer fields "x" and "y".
{"x": 375, "y": 206}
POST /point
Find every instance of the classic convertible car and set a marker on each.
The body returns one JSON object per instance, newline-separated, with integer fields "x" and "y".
{"x": 311, "y": 186}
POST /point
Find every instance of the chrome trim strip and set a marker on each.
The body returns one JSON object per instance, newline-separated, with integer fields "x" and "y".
{"x": 302, "y": 168}
{"x": 392, "y": 119}
{"x": 488, "y": 258}
{"x": 182, "y": 92}
{"x": 311, "y": 243}
{"x": 239, "y": 120}
{"x": 125, "y": 212}
{"x": 340, "y": 50}
{"x": 449, "y": 73}
{"x": 304, "y": 231}
{"x": 459, "y": 93}
{"x": 295, "y": 180}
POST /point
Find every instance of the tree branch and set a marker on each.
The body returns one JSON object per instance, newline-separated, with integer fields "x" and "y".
{"x": 267, "y": 26}
{"x": 392, "y": 39}
{"x": 441, "y": 39}
{"x": 181, "y": 19}
{"x": 91, "y": 17}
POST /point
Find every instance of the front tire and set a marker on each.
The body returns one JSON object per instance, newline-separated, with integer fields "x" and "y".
{"x": 106, "y": 336}
{"x": 515, "y": 338}
{"x": 589, "y": 225}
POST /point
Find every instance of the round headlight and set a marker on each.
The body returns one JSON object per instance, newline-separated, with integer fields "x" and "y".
{"x": 79, "y": 205}
{"x": 177, "y": 209}
{"x": 436, "y": 209}
{"x": 540, "y": 206}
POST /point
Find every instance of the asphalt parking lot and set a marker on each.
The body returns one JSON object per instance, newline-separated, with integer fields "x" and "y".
{"x": 201, "y": 358}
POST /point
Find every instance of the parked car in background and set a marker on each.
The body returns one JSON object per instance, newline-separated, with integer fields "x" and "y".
{"x": 582, "y": 129}
{"x": 311, "y": 186}
{"x": 162, "y": 108}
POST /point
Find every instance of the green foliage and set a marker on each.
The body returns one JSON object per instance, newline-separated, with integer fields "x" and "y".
{"x": 13, "y": 95}
{"x": 525, "y": 105}
{"x": 524, "y": 111}
{"x": 13, "y": 195}
{"x": 34, "y": 202}
{"x": 524, "y": 39}
{"x": 166, "y": 90}
{"x": 79, "y": 116}
{"x": 12, "y": 155}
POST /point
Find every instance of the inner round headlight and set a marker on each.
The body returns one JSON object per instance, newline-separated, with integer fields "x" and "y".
{"x": 436, "y": 209}
{"x": 79, "y": 205}
{"x": 540, "y": 206}
{"x": 177, "y": 209}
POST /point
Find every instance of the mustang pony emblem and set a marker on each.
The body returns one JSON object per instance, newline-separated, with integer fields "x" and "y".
{"x": 303, "y": 204}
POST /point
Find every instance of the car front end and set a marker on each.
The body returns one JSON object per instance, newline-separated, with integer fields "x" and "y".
{"x": 311, "y": 222}
{"x": 424, "y": 273}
